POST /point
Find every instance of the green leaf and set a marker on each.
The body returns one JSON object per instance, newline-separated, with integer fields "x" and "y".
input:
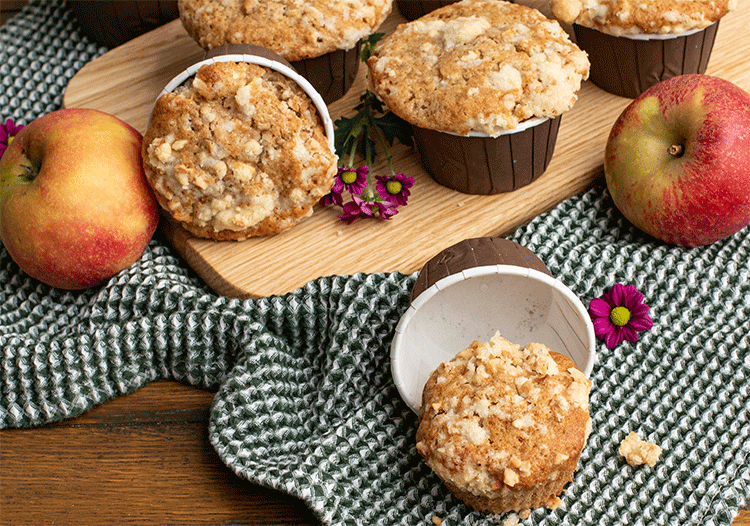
{"x": 394, "y": 127}
{"x": 368, "y": 46}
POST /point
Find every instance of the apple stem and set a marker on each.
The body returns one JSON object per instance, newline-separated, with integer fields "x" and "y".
{"x": 676, "y": 150}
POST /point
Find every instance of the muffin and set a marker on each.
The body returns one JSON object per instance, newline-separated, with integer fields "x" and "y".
{"x": 503, "y": 426}
{"x": 238, "y": 150}
{"x": 485, "y": 69}
{"x": 319, "y": 37}
{"x": 633, "y": 46}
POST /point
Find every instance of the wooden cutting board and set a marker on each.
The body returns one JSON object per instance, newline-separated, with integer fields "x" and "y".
{"x": 126, "y": 80}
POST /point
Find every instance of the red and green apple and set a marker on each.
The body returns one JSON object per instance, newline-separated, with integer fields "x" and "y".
{"x": 75, "y": 205}
{"x": 677, "y": 160}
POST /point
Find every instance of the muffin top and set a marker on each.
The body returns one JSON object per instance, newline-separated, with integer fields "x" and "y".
{"x": 482, "y": 65}
{"x": 625, "y": 17}
{"x": 501, "y": 416}
{"x": 237, "y": 151}
{"x": 295, "y": 29}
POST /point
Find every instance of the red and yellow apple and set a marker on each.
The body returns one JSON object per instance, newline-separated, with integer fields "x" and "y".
{"x": 75, "y": 205}
{"x": 677, "y": 160}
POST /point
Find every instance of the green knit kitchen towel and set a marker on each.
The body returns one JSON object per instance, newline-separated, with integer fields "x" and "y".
{"x": 305, "y": 402}
{"x": 324, "y": 422}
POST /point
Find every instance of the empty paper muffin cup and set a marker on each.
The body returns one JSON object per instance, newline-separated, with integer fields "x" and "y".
{"x": 114, "y": 22}
{"x": 473, "y": 289}
{"x": 628, "y": 65}
{"x": 480, "y": 164}
{"x": 413, "y": 9}
{"x": 262, "y": 57}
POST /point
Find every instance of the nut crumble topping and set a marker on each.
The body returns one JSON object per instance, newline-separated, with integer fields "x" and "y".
{"x": 482, "y": 65}
{"x": 238, "y": 152}
{"x": 638, "y": 452}
{"x": 655, "y": 16}
{"x": 500, "y": 418}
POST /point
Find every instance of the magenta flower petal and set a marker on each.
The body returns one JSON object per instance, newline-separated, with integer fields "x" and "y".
{"x": 629, "y": 333}
{"x": 332, "y": 198}
{"x": 639, "y": 310}
{"x": 613, "y": 338}
{"x": 617, "y": 295}
{"x": 7, "y": 132}
{"x": 641, "y": 323}
{"x": 602, "y": 326}
{"x": 599, "y": 307}
{"x": 352, "y": 211}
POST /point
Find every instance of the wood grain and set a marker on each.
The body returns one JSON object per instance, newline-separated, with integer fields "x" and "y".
{"x": 144, "y": 458}
{"x": 126, "y": 80}
{"x": 10, "y": 8}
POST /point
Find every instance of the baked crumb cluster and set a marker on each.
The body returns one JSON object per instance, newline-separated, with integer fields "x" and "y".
{"x": 482, "y": 65}
{"x": 503, "y": 426}
{"x": 637, "y": 452}
{"x": 238, "y": 151}
{"x": 295, "y": 29}
{"x": 619, "y": 17}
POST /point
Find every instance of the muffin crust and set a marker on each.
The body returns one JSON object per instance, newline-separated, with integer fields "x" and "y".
{"x": 504, "y": 426}
{"x": 624, "y": 17}
{"x": 482, "y": 65}
{"x": 295, "y": 29}
{"x": 238, "y": 151}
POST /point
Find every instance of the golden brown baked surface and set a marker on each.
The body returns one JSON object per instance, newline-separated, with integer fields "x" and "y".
{"x": 623, "y": 17}
{"x": 238, "y": 151}
{"x": 482, "y": 65}
{"x": 504, "y": 426}
{"x": 295, "y": 29}
{"x": 636, "y": 451}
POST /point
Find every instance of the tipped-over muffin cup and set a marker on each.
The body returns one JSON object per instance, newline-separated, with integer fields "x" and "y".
{"x": 473, "y": 289}
{"x": 630, "y": 64}
{"x": 262, "y": 57}
{"x": 481, "y": 164}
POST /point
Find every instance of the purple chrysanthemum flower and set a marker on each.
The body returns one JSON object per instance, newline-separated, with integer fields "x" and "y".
{"x": 353, "y": 180}
{"x": 8, "y": 131}
{"x": 394, "y": 188}
{"x": 352, "y": 211}
{"x": 359, "y": 207}
{"x": 619, "y": 315}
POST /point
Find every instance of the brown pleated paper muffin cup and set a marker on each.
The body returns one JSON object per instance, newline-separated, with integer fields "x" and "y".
{"x": 483, "y": 165}
{"x": 331, "y": 74}
{"x": 474, "y": 288}
{"x": 113, "y": 22}
{"x": 627, "y": 66}
{"x": 413, "y": 9}
{"x": 475, "y": 252}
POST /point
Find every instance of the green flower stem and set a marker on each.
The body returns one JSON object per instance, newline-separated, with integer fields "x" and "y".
{"x": 384, "y": 145}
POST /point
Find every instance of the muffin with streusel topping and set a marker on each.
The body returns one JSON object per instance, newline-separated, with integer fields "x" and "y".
{"x": 237, "y": 151}
{"x": 634, "y": 45}
{"x": 480, "y": 68}
{"x": 319, "y": 37}
{"x": 503, "y": 426}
